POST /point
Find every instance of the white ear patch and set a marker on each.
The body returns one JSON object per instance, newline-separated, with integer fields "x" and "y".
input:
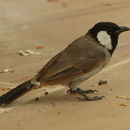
{"x": 105, "y": 39}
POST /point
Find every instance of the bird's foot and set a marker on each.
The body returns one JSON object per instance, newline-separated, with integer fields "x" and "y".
{"x": 87, "y": 98}
{"x": 84, "y": 96}
{"x": 78, "y": 90}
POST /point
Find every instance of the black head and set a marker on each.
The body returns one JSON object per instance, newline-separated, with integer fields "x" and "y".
{"x": 106, "y": 33}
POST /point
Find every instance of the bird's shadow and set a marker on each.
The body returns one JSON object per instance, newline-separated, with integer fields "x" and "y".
{"x": 53, "y": 98}
{"x": 56, "y": 97}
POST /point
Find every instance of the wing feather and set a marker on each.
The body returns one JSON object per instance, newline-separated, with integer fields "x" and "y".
{"x": 80, "y": 57}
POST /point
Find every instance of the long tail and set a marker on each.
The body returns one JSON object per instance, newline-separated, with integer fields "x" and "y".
{"x": 16, "y": 92}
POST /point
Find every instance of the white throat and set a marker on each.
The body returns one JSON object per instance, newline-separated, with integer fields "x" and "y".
{"x": 105, "y": 39}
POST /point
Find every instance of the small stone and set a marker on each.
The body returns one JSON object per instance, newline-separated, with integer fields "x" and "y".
{"x": 102, "y": 82}
{"x": 46, "y": 93}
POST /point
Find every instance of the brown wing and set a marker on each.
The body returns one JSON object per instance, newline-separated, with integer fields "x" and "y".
{"x": 80, "y": 57}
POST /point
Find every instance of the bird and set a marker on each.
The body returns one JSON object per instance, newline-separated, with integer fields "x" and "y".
{"x": 79, "y": 61}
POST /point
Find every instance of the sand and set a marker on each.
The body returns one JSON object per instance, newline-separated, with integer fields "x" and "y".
{"x": 53, "y": 24}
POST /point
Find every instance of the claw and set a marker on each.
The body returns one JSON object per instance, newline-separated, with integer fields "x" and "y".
{"x": 89, "y": 91}
{"x": 83, "y": 94}
{"x": 86, "y": 98}
{"x": 78, "y": 90}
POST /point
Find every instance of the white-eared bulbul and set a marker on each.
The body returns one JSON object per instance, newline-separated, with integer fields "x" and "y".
{"x": 82, "y": 59}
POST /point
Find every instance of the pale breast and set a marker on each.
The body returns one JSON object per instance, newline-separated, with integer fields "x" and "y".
{"x": 96, "y": 69}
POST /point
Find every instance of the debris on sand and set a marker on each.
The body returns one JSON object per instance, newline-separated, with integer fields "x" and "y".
{"x": 102, "y": 82}
{"x": 122, "y": 104}
{"x": 39, "y": 47}
{"x": 28, "y": 52}
{"x": 123, "y": 97}
{"x": 46, "y": 93}
{"x": 120, "y": 97}
{"x": 6, "y": 71}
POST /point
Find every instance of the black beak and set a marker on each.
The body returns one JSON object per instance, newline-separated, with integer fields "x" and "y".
{"x": 122, "y": 29}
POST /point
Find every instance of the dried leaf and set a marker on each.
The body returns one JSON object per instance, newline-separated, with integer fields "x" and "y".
{"x": 122, "y": 104}
{"x": 121, "y": 97}
{"x": 39, "y": 47}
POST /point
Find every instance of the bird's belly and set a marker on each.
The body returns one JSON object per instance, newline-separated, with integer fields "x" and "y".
{"x": 90, "y": 74}
{"x": 95, "y": 70}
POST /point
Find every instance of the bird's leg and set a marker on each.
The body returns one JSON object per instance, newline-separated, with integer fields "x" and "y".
{"x": 74, "y": 89}
{"x": 83, "y": 93}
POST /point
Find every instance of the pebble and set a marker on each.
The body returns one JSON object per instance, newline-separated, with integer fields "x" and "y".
{"x": 102, "y": 82}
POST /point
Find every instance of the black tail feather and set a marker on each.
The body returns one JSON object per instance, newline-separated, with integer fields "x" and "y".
{"x": 16, "y": 93}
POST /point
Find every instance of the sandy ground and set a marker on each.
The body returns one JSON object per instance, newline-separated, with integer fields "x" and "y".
{"x": 54, "y": 24}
